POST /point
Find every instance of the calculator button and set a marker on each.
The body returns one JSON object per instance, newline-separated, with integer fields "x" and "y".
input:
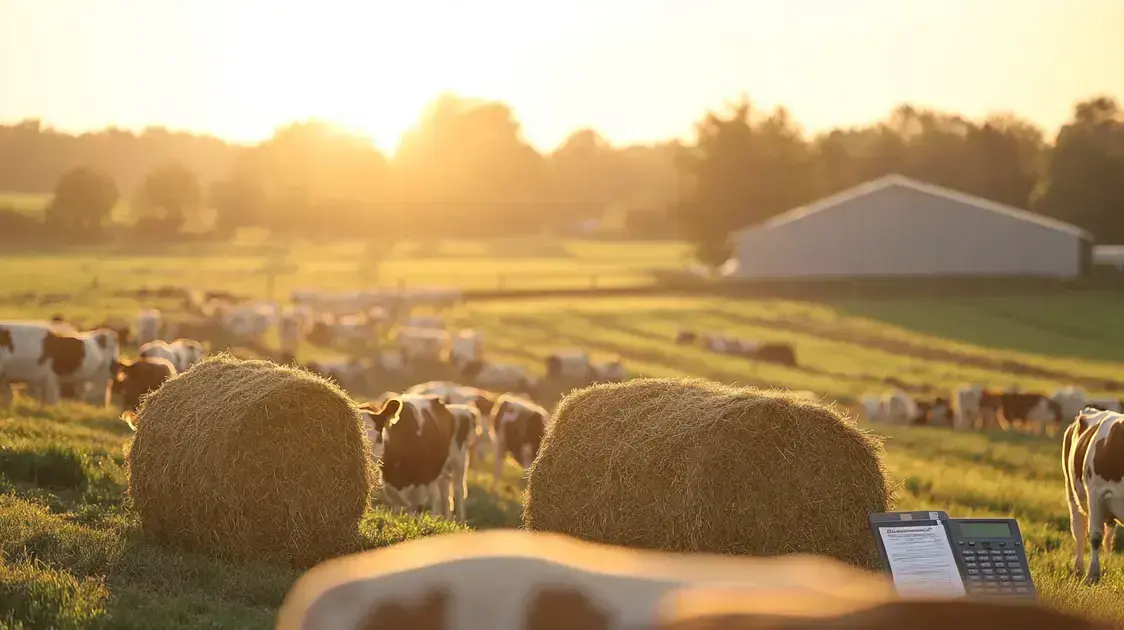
{"x": 1018, "y": 571}
{"x": 985, "y": 564}
{"x": 1018, "y": 544}
{"x": 1019, "y": 578}
{"x": 972, "y": 544}
{"x": 1002, "y": 544}
{"x": 973, "y": 571}
{"x": 987, "y": 571}
{"x": 1014, "y": 565}
{"x": 1022, "y": 589}
{"x": 970, "y": 565}
{"x": 997, "y": 554}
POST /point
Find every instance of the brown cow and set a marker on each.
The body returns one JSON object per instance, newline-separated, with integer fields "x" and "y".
{"x": 136, "y": 378}
{"x": 517, "y": 426}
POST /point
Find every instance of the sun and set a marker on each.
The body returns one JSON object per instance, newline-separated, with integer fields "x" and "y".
{"x": 370, "y": 70}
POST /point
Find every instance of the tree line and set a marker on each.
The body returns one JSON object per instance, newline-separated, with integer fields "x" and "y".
{"x": 465, "y": 170}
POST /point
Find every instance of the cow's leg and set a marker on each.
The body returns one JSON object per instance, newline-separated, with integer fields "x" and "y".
{"x": 460, "y": 490}
{"x": 1109, "y": 535}
{"x": 51, "y": 391}
{"x": 1079, "y": 526}
{"x": 6, "y": 392}
{"x": 500, "y": 452}
{"x": 1096, "y": 536}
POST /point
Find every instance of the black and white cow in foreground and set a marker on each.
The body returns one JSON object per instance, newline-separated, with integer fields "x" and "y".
{"x": 1093, "y": 464}
{"x": 47, "y": 358}
{"x": 518, "y": 427}
{"x": 456, "y": 394}
{"x": 418, "y": 433}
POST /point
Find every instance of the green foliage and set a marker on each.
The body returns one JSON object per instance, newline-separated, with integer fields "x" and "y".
{"x": 83, "y": 199}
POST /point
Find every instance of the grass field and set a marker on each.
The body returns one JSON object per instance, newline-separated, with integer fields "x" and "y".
{"x": 72, "y": 552}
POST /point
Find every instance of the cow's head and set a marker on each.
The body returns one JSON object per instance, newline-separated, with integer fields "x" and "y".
{"x": 377, "y": 420}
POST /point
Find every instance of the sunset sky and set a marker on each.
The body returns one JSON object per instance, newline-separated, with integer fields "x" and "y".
{"x": 636, "y": 70}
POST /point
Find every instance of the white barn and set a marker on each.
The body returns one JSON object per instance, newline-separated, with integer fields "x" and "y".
{"x": 897, "y": 226}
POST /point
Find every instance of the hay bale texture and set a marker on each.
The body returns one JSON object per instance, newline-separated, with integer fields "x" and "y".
{"x": 690, "y": 465}
{"x": 250, "y": 460}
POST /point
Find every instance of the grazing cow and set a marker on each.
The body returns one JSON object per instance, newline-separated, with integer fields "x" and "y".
{"x": 609, "y": 372}
{"x": 45, "y": 357}
{"x": 148, "y": 326}
{"x": 966, "y": 406}
{"x": 182, "y": 353}
{"x": 1093, "y": 464}
{"x": 517, "y": 426}
{"x": 350, "y": 374}
{"x": 779, "y": 353}
{"x": 247, "y": 321}
{"x": 933, "y": 413}
{"x": 137, "y": 378}
{"x": 571, "y": 364}
{"x": 726, "y": 344}
{"x": 422, "y": 344}
{"x": 874, "y": 408}
{"x": 1072, "y": 400}
{"x": 500, "y": 376}
{"x": 418, "y": 431}
{"x": 1022, "y": 407}
{"x": 464, "y": 347}
{"x": 899, "y": 408}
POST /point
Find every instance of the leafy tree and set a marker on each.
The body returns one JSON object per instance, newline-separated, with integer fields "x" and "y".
{"x": 170, "y": 194}
{"x": 82, "y": 200}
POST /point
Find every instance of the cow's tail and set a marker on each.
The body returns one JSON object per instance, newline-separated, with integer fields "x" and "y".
{"x": 130, "y": 419}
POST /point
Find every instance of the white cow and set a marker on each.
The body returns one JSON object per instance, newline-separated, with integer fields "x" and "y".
{"x": 46, "y": 357}
{"x": 456, "y": 394}
{"x": 466, "y": 346}
{"x": 900, "y": 408}
{"x": 181, "y": 353}
{"x": 425, "y": 344}
{"x": 499, "y": 376}
{"x": 572, "y": 364}
{"x": 148, "y": 326}
{"x": 248, "y": 321}
{"x": 1092, "y": 461}
{"x": 965, "y": 403}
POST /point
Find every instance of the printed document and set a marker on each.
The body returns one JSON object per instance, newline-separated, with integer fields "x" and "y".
{"x": 921, "y": 561}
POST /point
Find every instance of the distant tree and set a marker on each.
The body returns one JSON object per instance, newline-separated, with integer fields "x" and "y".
{"x": 239, "y": 202}
{"x": 170, "y": 194}
{"x": 1085, "y": 179}
{"x": 82, "y": 201}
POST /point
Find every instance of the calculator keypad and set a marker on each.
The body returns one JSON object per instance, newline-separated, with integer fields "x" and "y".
{"x": 995, "y": 571}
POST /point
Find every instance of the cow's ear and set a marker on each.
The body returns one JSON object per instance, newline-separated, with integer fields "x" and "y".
{"x": 387, "y": 413}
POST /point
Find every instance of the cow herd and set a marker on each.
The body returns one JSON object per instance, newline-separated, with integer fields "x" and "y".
{"x": 971, "y": 407}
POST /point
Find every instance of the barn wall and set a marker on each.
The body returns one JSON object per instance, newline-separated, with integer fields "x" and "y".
{"x": 900, "y": 231}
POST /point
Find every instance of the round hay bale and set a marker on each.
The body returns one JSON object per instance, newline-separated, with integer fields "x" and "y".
{"x": 690, "y": 465}
{"x": 251, "y": 460}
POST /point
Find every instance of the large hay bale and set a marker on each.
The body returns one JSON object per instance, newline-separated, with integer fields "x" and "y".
{"x": 251, "y": 460}
{"x": 690, "y": 465}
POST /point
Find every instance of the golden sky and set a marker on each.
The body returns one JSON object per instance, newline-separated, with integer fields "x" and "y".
{"x": 636, "y": 70}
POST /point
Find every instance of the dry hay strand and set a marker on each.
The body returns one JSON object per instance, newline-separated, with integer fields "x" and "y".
{"x": 251, "y": 460}
{"x": 691, "y": 465}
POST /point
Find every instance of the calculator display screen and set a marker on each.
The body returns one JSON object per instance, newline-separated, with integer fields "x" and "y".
{"x": 985, "y": 530}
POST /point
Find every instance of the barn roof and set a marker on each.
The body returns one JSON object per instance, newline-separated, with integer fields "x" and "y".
{"x": 893, "y": 179}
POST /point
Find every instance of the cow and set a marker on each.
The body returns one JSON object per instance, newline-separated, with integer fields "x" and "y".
{"x": 609, "y": 371}
{"x": 182, "y": 353}
{"x": 898, "y": 408}
{"x": 422, "y": 344}
{"x": 418, "y": 431}
{"x": 873, "y": 408}
{"x": 569, "y": 364}
{"x": 40, "y": 354}
{"x": 457, "y": 394}
{"x": 290, "y": 329}
{"x": 1072, "y": 400}
{"x": 347, "y": 373}
{"x": 518, "y": 427}
{"x": 934, "y": 412}
{"x": 247, "y": 321}
{"x": 464, "y": 347}
{"x": 779, "y": 353}
{"x": 686, "y": 337}
{"x": 500, "y": 376}
{"x": 466, "y": 423}
{"x": 1093, "y": 465}
{"x": 1021, "y": 407}
{"x": 965, "y": 405}
{"x": 148, "y": 326}
{"x": 136, "y": 378}
{"x": 727, "y": 344}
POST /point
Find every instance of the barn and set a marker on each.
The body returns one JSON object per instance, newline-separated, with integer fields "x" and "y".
{"x": 896, "y": 226}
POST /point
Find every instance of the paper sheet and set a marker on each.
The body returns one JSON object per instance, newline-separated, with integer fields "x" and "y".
{"x": 921, "y": 561}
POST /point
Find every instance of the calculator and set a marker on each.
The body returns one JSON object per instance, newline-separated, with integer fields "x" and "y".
{"x": 928, "y": 553}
